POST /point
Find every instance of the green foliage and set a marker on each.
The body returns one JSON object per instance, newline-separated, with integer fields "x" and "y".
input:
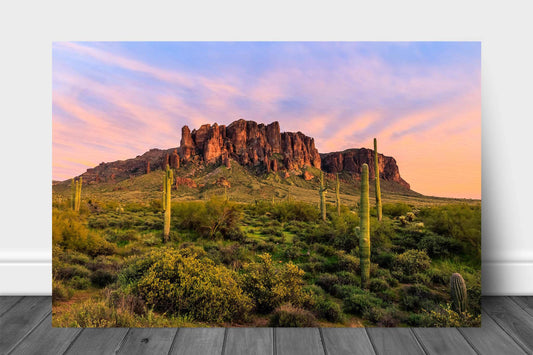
{"x": 213, "y": 219}
{"x": 171, "y": 281}
{"x": 272, "y": 284}
{"x": 361, "y": 303}
{"x": 458, "y": 293}
{"x": 60, "y": 292}
{"x": 446, "y": 316}
{"x": 460, "y": 222}
{"x": 378, "y": 285}
{"x": 413, "y": 261}
{"x": 101, "y": 278}
{"x": 418, "y": 297}
{"x": 329, "y": 310}
{"x": 364, "y": 239}
{"x": 290, "y": 316}
{"x": 80, "y": 283}
{"x": 396, "y": 209}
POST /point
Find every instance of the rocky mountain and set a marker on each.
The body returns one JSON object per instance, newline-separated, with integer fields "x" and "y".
{"x": 249, "y": 144}
{"x": 351, "y": 161}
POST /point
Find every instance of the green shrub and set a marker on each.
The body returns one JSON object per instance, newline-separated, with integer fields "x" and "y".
{"x": 329, "y": 310}
{"x": 385, "y": 259}
{"x": 417, "y": 297}
{"x": 361, "y": 303}
{"x": 290, "y": 316}
{"x": 327, "y": 282}
{"x": 271, "y": 284}
{"x": 439, "y": 246}
{"x": 414, "y": 261}
{"x": 378, "y": 285}
{"x": 102, "y": 278}
{"x": 395, "y": 209}
{"x": 60, "y": 292}
{"x": 64, "y": 271}
{"x": 171, "y": 281}
{"x": 461, "y": 222}
{"x": 214, "y": 219}
{"x": 80, "y": 283}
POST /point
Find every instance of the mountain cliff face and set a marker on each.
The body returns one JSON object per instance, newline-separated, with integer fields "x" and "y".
{"x": 249, "y": 144}
{"x": 351, "y": 160}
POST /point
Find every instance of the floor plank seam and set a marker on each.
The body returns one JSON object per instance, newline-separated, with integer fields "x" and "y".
{"x": 28, "y": 333}
{"x": 517, "y": 341}
{"x": 73, "y": 341}
{"x": 323, "y": 341}
{"x": 371, "y": 341}
{"x": 274, "y": 340}
{"x": 13, "y": 305}
{"x": 468, "y": 341}
{"x": 173, "y": 341}
{"x": 224, "y": 341}
{"x": 420, "y": 343}
{"x": 123, "y": 341}
{"x": 525, "y": 309}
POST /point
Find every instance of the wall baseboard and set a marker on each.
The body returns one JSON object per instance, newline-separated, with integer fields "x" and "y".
{"x": 26, "y": 277}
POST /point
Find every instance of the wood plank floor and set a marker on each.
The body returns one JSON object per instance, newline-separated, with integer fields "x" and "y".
{"x": 26, "y": 328}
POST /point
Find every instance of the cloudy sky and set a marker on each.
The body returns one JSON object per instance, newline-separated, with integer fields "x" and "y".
{"x": 422, "y": 100}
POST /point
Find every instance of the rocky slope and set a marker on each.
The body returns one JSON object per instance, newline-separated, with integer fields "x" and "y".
{"x": 251, "y": 145}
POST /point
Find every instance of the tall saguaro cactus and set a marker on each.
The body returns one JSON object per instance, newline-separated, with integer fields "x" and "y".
{"x": 322, "y": 192}
{"x": 338, "y": 196}
{"x": 364, "y": 238}
{"x": 458, "y": 293}
{"x": 167, "y": 188}
{"x": 76, "y": 193}
{"x": 378, "y": 189}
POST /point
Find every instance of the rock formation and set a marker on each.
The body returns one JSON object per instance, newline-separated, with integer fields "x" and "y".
{"x": 250, "y": 144}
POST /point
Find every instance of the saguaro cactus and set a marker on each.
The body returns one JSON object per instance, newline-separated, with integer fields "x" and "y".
{"x": 364, "y": 238}
{"x": 378, "y": 189}
{"x": 76, "y": 193}
{"x": 458, "y": 293}
{"x": 322, "y": 192}
{"x": 167, "y": 188}
{"x": 338, "y": 196}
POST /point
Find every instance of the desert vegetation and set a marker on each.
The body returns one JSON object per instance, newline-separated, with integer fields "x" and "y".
{"x": 122, "y": 258}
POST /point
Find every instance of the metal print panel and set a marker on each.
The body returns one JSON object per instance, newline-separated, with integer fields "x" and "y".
{"x": 284, "y": 184}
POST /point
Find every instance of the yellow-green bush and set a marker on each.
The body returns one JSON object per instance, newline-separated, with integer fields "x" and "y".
{"x": 290, "y": 316}
{"x": 172, "y": 282}
{"x": 413, "y": 261}
{"x": 271, "y": 284}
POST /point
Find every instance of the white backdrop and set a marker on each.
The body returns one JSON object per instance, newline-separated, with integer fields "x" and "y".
{"x": 27, "y": 31}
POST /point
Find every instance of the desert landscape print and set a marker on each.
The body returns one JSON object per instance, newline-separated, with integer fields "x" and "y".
{"x": 255, "y": 184}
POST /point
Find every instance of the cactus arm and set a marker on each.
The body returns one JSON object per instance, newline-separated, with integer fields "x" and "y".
{"x": 378, "y": 189}
{"x": 364, "y": 239}
{"x": 337, "y": 195}
{"x": 322, "y": 193}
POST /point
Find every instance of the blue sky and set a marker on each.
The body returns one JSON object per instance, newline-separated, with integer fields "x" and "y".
{"x": 422, "y": 100}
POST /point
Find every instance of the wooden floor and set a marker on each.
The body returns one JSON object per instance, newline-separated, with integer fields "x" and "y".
{"x": 25, "y": 328}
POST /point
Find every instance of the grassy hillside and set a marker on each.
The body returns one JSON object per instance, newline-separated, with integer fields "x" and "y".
{"x": 245, "y": 185}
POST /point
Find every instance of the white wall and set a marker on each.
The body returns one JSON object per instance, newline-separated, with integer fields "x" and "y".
{"x": 26, "y": 33}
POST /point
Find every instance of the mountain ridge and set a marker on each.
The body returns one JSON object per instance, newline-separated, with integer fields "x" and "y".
{"x": 263, "y": 148}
